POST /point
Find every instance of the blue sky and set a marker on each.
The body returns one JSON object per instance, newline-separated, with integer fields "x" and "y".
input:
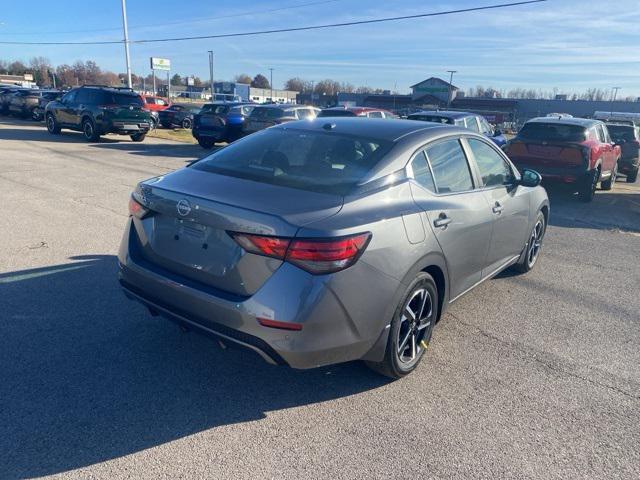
{"x": 568, "y": 44}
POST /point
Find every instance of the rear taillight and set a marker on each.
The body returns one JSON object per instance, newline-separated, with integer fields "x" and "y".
{"x": 316, "y": 256}
{"x": 136, "y": 209}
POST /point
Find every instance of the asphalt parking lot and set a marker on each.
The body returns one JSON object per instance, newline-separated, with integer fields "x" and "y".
{"x": 534, "y": 376}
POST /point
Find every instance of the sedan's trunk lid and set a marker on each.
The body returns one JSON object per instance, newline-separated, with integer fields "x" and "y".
{"x": 188, "y": 233}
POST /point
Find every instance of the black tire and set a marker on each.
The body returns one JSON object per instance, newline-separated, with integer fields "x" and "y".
{"x": 207, "y": 144}
{"x": 52, "y": 125}
{"x": 533, "y": 247}
{"x": 138, "y": 137}
{"x": 89, "y": 131}
{"x": 409, "y": 337}
{"x": 633, "y": 176}
{"x": 186, "y": 123}
{"x": 589, "y": 185}
{"x": 608, "y": 184}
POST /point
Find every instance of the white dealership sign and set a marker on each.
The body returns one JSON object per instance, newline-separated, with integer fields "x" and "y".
{"x": 160, "y": 64}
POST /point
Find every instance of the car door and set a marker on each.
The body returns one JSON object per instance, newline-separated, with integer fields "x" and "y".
{"x": 613, "y": 151}
{"x": 65, "y": 113}
{"x": 607, "y": 150}
{"x": 508, "y": 203}
{"x": 458, "y": 213}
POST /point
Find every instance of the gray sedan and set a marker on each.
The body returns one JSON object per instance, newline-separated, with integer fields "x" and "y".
{"x": 331, "y": 240}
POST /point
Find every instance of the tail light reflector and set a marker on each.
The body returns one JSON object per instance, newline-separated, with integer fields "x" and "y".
{"x": 316, "y": 256}
{"x": 265, "y": 322}
{"x": 136, "y": 209}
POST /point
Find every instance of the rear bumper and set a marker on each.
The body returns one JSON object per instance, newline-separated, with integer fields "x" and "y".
{"x": 127, "y": 128}
{"x": 206, "y": 133}
{"x": 336, "y": 328}
{"x": 566, "y": 175}
{"x": 628, "y": 165}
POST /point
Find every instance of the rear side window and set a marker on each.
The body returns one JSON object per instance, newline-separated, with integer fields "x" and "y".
{"x": 375, "y": 114}
{"x": 422, "y": 172}
{"x": 493, "y": 168}
{"x": 601, "y": 134}
{"x": 472, "y": 124}
{"x": 450, "y": 167}
{"x": 307, "y": 160}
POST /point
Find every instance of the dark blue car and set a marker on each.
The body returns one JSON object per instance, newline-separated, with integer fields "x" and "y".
{"x": 468, "y": 120}
{"x": 220, "y": 122}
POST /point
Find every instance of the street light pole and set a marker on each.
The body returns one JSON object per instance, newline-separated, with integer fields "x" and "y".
{"x": 271, "y": 84}
{"x": 613, "y": 98}
{"x": 450, "y": 86}
{"x": 211, "y": 72}
{"x": 126, "y": 41}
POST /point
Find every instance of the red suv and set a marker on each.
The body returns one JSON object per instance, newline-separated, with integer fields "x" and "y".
{"x": 155, "y": 104}
{"x": 574, "y": 151}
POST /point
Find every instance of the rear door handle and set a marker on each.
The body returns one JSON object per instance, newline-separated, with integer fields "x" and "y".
{"x": 442, "y": 221}
{"x": 497, "y": 208}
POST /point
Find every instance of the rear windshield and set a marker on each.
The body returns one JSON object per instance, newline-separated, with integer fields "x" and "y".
{"x": 269, "y": 113}
{"x": 215, "y": 109}
{"x": 432, "y": 118}
{"x": 622, "y": 132}
{"x": 554, "y": 132}
{"x": 112, "y": 98}
{"x": 336, "y": 113}
{"x": 317, "y": 161}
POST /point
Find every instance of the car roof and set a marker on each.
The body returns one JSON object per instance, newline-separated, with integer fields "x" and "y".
{"x": 580, "y": 122}
{"x": 283, "y": 106}
{"x": 355, "y": 109}
{"x": 445, "y": 113}
{"x": 231, "y": 104}
{"x": 379, "y": 128}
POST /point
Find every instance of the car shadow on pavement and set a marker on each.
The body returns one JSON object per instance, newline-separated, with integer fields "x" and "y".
{"x": 89, "y": 376}
{"x": 42, "y": 135}
{"x": 182, "y": 150}
{"x": 609, "y": 210}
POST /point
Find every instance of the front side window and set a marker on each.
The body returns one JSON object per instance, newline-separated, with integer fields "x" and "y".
{"x": 422, "y": 172}
{"x": 494, "y": 170}
{"x": 375, "y": 114}
{"x": 450, "y": 167}
{"x": 70, "y": 97}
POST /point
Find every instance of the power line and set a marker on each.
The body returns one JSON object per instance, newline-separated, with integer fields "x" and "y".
{"x": 180, "y": 22}
{"x": 293, "y": 29}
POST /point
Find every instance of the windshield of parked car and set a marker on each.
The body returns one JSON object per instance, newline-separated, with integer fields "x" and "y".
{"x": 432, "y": 118}
{"x": 622, "y": 132}
{"x": 318, "y": 161}
{"x": 552, "y": 132}
{"x": 265, "y": 113}
{"x": 336, "y": 113}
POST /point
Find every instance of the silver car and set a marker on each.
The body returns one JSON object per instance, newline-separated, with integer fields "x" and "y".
{"x": 324, "y": 241}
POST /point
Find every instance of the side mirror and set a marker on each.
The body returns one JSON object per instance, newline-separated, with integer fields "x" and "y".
{"x": 530, "y": 178}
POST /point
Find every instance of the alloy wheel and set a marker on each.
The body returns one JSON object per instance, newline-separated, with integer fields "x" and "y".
{"x": 88, "y": 130}
{"x": 51, "y": 124}
{"x": 415, "y": 320}
{"x": 535, "y": 243}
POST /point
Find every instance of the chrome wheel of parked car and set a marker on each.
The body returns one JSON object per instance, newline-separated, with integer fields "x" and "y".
{"x": 535, "y": 243}
{"x": 186, "y": 123}
{"x": 414, "y": 321}
{"x": 89, "y": 131}
{"x": 52, "y": 125}
{"x": 411, "y": 329}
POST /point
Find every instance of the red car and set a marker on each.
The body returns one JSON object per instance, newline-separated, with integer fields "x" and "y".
{"x": 356, "y": 112}
{"x": 155, "y": 104}
{"x": 573, "y": 151}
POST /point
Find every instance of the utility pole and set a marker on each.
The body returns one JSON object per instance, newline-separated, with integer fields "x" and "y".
{"x": 450, "y": 86}
{"x": 211, "y": 72}
{"x": 126, "y": 41}
{"x": 271, "y": 84}
{"x": 613, "y": 98}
